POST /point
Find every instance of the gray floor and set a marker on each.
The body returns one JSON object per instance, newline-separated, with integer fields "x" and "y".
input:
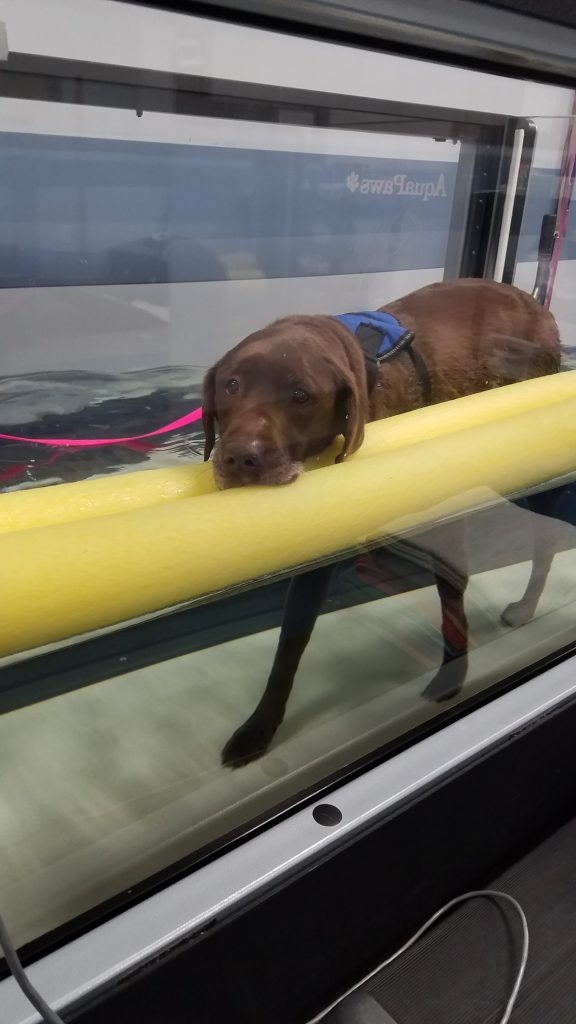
{"x": 463, "y": 970}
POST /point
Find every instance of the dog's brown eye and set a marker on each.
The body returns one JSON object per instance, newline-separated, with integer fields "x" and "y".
{"x": 299, "y": 395}
{"x": 232, "y": 386}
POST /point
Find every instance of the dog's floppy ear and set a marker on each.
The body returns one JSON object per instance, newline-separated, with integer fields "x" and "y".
{"x": 354, "y": 393}
{"x": 354, "y": 421}
{"x": 209, "y": 410}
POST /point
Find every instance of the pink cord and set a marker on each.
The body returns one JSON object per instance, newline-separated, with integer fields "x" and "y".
{"x": 190, "y": 417}
{"x": 567, "y": 172}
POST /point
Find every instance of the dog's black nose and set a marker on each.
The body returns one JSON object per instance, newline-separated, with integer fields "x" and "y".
{"x": 246, "y": 458}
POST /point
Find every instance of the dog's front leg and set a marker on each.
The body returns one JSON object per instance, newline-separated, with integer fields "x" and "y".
{"x": 304, "y": 600}
{"x": 451, "y": 582}
{"x": 450, "y": 677}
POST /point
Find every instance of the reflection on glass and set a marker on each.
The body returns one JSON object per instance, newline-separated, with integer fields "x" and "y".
{"x": 130, "y": 264}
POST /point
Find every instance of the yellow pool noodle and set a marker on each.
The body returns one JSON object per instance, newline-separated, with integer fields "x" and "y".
{"x": 62, "y": 581}
{"x": 88, "y": 499}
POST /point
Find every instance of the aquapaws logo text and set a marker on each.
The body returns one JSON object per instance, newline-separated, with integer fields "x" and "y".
{"x": 399, "y": 185}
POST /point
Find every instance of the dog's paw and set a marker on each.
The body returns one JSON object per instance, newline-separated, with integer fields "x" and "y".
{"x": 518, "y": 613}
{"x": 448, "y": 681}
{"x": 247, "y": 744}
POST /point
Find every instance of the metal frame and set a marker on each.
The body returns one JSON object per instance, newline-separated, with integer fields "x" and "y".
{"x": 57, "y": 80}
{"x": 466, "y": 33}
{"x": 183, "y": 912}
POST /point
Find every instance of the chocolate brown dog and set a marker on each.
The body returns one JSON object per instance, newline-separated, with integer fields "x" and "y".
{"x": 287, "y": 391}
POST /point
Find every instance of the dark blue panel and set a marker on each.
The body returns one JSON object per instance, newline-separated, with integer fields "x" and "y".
{"x": 91, "y": 211}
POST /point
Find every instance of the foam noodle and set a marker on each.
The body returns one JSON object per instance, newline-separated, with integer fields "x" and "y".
{"x": 64, "y": 580}
{"x": 88, "y": 499}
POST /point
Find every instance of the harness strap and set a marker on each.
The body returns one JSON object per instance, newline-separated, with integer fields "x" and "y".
{"x": 369, "y": 338}
{"x": 422, "y": 372}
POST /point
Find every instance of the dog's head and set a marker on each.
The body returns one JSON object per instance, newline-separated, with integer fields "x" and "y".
{"x": 282, "y": 395}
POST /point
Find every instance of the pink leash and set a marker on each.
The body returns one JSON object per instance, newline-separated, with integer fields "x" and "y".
{"x": 190, "y": 417}
{"x": 567, "y": 174}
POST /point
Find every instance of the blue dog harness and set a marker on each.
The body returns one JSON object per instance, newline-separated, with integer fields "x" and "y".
{"x": 381, "y": 336}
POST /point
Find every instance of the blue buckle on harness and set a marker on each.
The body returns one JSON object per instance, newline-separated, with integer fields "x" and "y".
{"x": 381, "y": 336}
{"x": 392, "y": 334}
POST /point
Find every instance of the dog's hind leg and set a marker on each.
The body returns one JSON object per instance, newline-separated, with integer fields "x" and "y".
{"x": 544, "y": 544}
{"x": 304, "y": 600}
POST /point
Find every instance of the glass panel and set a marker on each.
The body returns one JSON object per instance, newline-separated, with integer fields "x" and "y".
{"x": 140, "y": 243}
